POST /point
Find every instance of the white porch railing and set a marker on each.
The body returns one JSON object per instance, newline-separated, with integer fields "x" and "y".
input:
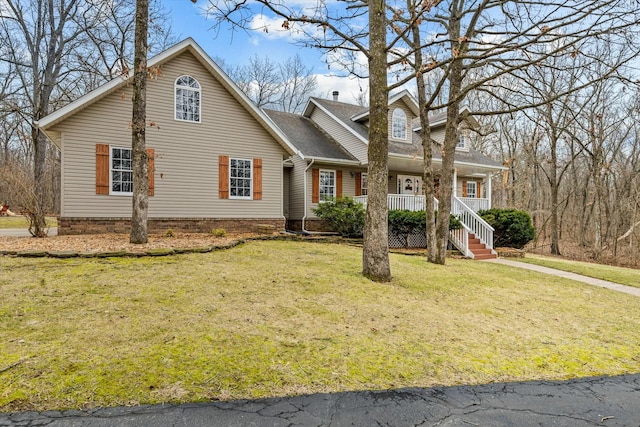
{"x": 416, "y": 203}
{"x": 400, "y": 202}
{"x": 476, "y": 204}
{"x": 471, "y": 222}
{"x": 477, "y": 225}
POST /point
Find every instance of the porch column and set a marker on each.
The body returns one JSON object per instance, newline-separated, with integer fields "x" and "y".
{"x": 455, "y": 181}
{"x": 488, "y": 195}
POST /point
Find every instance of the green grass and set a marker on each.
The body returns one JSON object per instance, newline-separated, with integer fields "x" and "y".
{"x": 282, "y": 318}
{"x": 22, "y": 222}
{"x": 621, "y": 275}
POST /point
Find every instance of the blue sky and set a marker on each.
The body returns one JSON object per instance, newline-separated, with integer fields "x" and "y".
{"x": 236, "y": 47}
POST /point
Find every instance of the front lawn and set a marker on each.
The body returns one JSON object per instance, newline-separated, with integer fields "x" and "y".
{"x": 22, "y": 222}
{"x": 281, "y": 318}
{"x": 621, "y": 275}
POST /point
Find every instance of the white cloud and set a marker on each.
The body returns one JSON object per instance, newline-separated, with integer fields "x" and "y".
{"x": 349, "y": 87}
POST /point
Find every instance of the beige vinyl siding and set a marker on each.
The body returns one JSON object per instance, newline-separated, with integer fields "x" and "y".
{"x": 296, "y": 188}
{"x": 338, "y": 132}
{"x": 408, "y": 113}
{"x": 186, "y": 163}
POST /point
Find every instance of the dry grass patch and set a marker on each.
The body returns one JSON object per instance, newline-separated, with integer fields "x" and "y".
{"x": 280, "y": 318}
{"x": 621, "y": 275}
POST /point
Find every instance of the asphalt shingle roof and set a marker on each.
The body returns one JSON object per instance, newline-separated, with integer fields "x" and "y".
{"x": 313, "y": 142}
{"x": 307, "y": 137}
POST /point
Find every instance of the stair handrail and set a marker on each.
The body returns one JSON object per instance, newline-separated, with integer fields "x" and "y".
{"x": 460, "y": 239}
{"x": 478, "y": 226}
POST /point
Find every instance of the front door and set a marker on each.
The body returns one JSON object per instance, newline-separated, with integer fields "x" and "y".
{"x": 410, "y": 184}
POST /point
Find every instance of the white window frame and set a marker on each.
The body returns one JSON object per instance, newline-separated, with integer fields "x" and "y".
{"x": 324, "y": 198}
{"x": 473, "y": 184}
{"x": 250, "y": 178}
{"x": 196, "y": 90}
{"x": 399, "y": 124}
{"x": 111, "y": 170}
{"x": 364, "y": 184}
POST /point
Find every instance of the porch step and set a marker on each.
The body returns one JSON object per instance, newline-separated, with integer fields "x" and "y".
{"x": 479, "y": 250}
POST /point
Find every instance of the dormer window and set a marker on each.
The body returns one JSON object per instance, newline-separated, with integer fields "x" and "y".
{"x": 187, "y": 99}
{"x": 399, "y": 124}
{"x": 463, "y": 140}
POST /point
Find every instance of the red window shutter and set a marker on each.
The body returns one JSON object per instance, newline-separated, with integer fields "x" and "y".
{"x": 358, "y": 184}
{"x": 152, "y": 161}
{"x": 257, "y": 179}
{"x": 102, "y": 169}
{"x": 315, "y": 185}
{"x": 338, "y": 184}
{"x": 223, "y": 177}
{"x": 464, "y": 188}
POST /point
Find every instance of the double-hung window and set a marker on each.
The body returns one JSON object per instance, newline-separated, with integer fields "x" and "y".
{"x": 327, "y": 185}
{"x": 472, "y": 189}
{"x": 363, "y": 184}
{"x": 462, "y": 142}
{"x": 187, "y": 99}
{"x": 240, "y": 178}
{"x": 121, "y": 171}
{"x": 399, "y": 124}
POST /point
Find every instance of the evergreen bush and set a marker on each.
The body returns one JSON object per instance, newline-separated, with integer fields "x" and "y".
{"x": 513, "y": 228}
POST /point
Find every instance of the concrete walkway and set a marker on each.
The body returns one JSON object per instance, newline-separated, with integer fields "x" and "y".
{"x": 603, "y": 401}
{"x": 573, "y": 276}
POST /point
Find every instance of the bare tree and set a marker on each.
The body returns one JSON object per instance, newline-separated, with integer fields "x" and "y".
{"x": 475, "y": 44}
{"x": 285, "y": 86}
{"x": 55, "y": 52}
{"x": 140, "y": 199}
{"x": 298, "y": 83}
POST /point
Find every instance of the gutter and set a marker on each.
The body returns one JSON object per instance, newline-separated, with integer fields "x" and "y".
{"x": 336, "y": 161}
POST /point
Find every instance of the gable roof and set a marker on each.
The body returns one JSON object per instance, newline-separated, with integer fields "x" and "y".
{"x": 345, "y": 115}
{"x": 308, "y": 138}
{"x": 187, "y": 45}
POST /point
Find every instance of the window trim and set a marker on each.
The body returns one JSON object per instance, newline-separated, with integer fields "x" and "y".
{"x": 404, "y": 119}
{"x": 175, "y": 98}
{"x": 112, "y": 192}
{"x": 335, "y": 183}
{"x": 251, "y": 171}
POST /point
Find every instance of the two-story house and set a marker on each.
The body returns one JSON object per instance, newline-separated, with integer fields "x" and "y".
{"x": 218, "y": 161}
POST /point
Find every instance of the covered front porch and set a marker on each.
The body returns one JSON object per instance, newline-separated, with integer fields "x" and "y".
{"x": 474, "y": 240}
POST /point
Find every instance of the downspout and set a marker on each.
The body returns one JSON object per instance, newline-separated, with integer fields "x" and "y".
{"x": 304, "y": 217}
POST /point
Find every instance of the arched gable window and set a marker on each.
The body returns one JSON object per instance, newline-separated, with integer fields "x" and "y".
{"x": 187, "y": 99}
{"x": 399, "y": 124}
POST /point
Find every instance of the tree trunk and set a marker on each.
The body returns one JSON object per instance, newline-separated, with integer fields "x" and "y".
{"x": 375, "y": 252}
{"x": 449, "y": 145}
{"x": 427, "y": 147}
{"x": 36, "y": 212}
{"x": 139, "y": 155}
